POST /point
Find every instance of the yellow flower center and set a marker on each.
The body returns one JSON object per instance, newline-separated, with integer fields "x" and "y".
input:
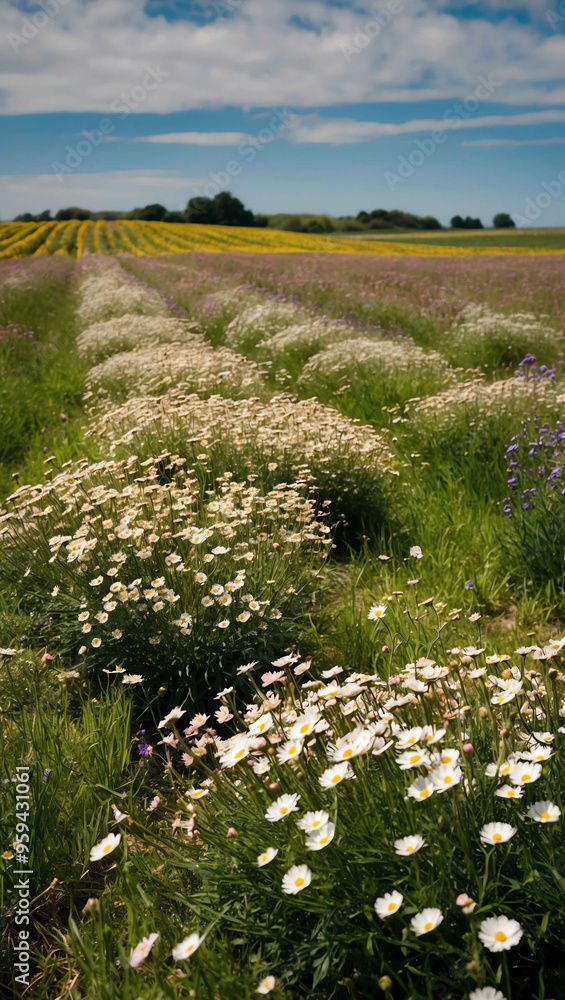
{"x": 336, "y": 778}
{"x": 239, "y": 753}
{"x": 428, "y": 926}
{"x": 497, "y": 836}
{"x": 526, "y": 777}
{"x": 424, "y": 793}
{"x": 324, "y": 840}
{"x": 299, "y": 882}
{"x": 446, "y": 760}
{"x": 391, "y": 907}
{"x": 411, "y": 739}
{"x": 291, "y": 750}
{"x": 107, "y": 848}
{"x": 348, "y": 752}
{"x": 282, "y": 810}
{"x": 544, "y": 815}
{"x": 500, "y": 936}
{"x": 304, "y": 728}
{"x": 415, "y": 758}
{"x": 447, "y": 779}
{"x": 511, "y": 793}
{"x": 409, "y": 848}
{"x": 189, "y": 948}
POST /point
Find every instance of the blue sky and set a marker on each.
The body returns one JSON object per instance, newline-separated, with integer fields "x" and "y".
{"x": 294, "y": 105}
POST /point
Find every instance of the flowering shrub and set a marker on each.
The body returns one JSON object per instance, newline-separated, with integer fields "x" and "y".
{"x": 535, "y": 506}
{"x": 292, "y": 346}
{"x": 159, "y": 568}
{"x": 350, "y": 466}
{"x": 156, "y": 369}
{"x": 260, "y": 322}
{"x": 365, "y": 375}
{"x": 393, "y": 829}
{"x": 491, "y": 339}
{"x": 131, "y": 332}
{"x": 105, "y": 290}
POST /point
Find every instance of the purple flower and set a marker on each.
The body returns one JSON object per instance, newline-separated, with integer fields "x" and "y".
{"x": 530, "y": 359}
{"x": 47, "y": 772}
{"x": 469, "y": 585}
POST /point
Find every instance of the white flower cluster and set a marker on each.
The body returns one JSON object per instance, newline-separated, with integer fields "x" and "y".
{"x": 479, "y": 323}
{"x": 105, "y": 290}
{"x": 155, "y": 369}
{"x": 260, "y": 322}
{"x": 131, "y": 332}
{"x": 364, "y": 359}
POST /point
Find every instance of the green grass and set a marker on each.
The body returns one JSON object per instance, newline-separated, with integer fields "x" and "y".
{"x": 470, "y": 582}
{"x": 534, "y": 239}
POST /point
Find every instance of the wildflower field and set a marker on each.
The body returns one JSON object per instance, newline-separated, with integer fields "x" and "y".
{"x": 282, "y": 619}
{"x": 74, "y": 238}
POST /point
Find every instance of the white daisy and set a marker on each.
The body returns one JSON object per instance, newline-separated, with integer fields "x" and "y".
{"x": 427, "y": 920}
{"x": 312, "y": 821}
{"x": 266, "y": 985}
{"x": 388, "y": 904}
{"x": 105, "y": 846}
{"x": 281, "y": 807}
{"x": 320, "y": 838}
{"x": 544, "y": 812}
{"x": 500, "y": 933}
{"x": 187, "y": 947}
{"x": 141, "y": 950}
{"x": 334, "y": 775}
{"x": 409, "y": 845}
{"x": 267, "y": 856}
{"x": 496, "y": 833}
{"x": 297, "y": 878}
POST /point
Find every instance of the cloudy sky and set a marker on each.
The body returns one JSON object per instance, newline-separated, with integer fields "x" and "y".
{"x": 294, "y": 105}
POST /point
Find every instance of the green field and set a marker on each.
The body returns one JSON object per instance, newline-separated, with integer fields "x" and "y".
{"x": 533, "y": 239}
{"x": 282, "y": 599}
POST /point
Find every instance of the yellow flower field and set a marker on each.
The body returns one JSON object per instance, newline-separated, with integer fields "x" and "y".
{"x": 23, "y": 239}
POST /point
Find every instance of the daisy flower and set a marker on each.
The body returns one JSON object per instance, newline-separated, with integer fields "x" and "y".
{"x": 266, "y": 985}
{"x": 333, "y": 775}
{"x": 289, "y": 750}
{"x": 427, "y": 920}
{"x": 187, "y": 947}
{"x": 267, "y": 856}
{"x": 412, "y": 758}
{"x": 377, "y": 611}
{"x": 500, "y": 933}
{"x": 297, "y": 878}
{"x": 409, "y": 845}
{"x": 524, "y": 774}
{"x": 141, "y": 950}
{"x": 445, "y": 776}
{"x": 281, "y": 807}
{"x": 388, "y": 904}
{"x": 304, "y": 725}
{"x": 105, "y": 846}
{"x": 407, "y": 738}
{"x": 496, "y": 833}
{"x": 544, "y": 812}
{"x": 486, "y": 993}
{"x": 312, "y": 821}
{"x": 507, "y": 792}
{"x": 174, "y": 714}
{"x": 320, "y": 838}
{"x": 422, "y": 788}
{"x": 261, "y": 725}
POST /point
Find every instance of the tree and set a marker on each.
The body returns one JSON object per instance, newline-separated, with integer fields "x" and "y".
{"x": 503, "y": 221}
{"x": 260, "y": 221}
{"x": 151, "y": 213}
{"x": 64, "y": 214}
{"x": 222, "y": 210}
{"x": 293, "y": 225}
{"x": 429, "y": 222}
{"x": 458, "y": 223}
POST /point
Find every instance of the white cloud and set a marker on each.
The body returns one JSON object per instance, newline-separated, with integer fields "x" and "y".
{"x": 119, "y": 190}
{"x": 198, "y": 138}
{"x": 94, "y": 53}
{"x": 338, "y": 131}
{"x": 487, "y": 143}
